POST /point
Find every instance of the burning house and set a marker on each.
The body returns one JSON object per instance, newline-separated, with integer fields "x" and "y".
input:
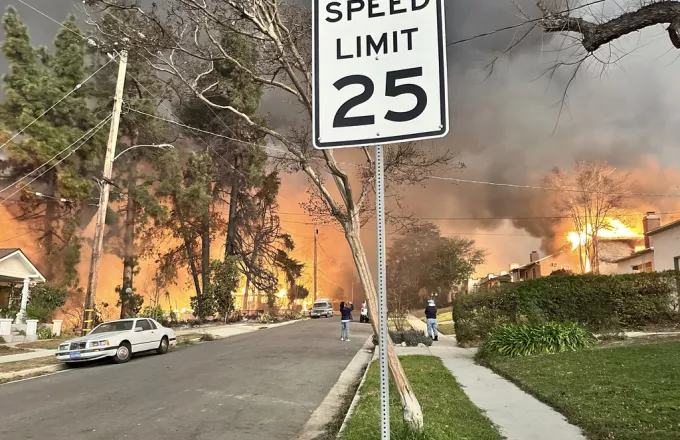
{"x": 586, "y": 252}
{"x": 661, "y": 248}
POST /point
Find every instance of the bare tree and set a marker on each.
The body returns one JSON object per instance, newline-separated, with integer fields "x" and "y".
{"x": 184, "y": 41}
{"x": 590, "y": 196}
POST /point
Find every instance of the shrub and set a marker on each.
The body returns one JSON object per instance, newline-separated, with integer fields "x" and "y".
{"x": 155, "y": 312}
{"x": 266, "y": 318}
{"x": 44, "y": 300}
{"x": 599, "y": 302}
{"x": 45, "y": 333}
{"x": 532, "y": 339}
{"x": 206, "y": 337}
{"x": 411, "y": 337}
{"x": 2, "y": 340}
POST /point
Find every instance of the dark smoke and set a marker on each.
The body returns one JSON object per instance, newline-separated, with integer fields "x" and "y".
{"x": 508, "y": 127}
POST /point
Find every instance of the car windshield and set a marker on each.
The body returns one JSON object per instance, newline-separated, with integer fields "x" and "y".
{"x": 114, "y": 326}
{"x": 320, "y": 305}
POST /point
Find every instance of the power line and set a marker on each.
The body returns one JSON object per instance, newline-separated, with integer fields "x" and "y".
{"x": 198, "y": 130}
{"x": 16, "y": 236}
{"x": 44, "y": 164}
{"x": 547, "y": 188}
{"x": 515, "y": 26}
{"x": 92, "y": 133}
{"x": 77, "y": 87}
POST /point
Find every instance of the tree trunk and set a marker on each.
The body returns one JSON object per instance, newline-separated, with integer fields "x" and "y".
{"x": 129, "y": 251}
{"x": 49, "y": 220}
{"x": 252, "y": 262}
{"x": 205, "y": 248}
{"x": 230, "y": 248}
{"x": 188, "y": 246}
{"x": 413, "y": 413}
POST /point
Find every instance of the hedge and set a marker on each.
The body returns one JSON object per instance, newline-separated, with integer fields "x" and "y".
{"x": 601, "y": 303}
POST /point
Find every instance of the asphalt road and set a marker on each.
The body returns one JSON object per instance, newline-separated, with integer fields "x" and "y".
{"x": 257, "y": 386}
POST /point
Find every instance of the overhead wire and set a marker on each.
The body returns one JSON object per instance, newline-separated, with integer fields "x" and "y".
{"x": 92, "y": 131}
{"x": 547, "y": 188}
{"x": 515, "y": 26}
{"x": 44, "y": 164}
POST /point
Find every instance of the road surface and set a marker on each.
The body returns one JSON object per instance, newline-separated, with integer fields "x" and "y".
{"x": 257, "y": 386}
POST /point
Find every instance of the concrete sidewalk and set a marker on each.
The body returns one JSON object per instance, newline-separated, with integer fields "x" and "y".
{"x": 517, "y": 415}
{"x": 26, "y": 356}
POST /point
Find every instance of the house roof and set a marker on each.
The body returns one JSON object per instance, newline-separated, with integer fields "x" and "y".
{"x": 634, "y": 255}
{"x": 538, "y": 261}
{"x": 6, "y": 253}
{"x": 665, "y": 227}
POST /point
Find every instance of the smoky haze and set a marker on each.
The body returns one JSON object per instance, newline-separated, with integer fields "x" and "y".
{"x": 509, "y": 127}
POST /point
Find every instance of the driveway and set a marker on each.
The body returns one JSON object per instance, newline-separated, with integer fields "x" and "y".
{"x": 257, "y": 386}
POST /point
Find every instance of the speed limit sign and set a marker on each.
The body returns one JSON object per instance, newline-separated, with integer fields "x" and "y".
{"x": 379, "y": 72}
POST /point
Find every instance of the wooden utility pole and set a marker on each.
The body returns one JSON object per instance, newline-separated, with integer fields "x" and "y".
{"x": 98, "y": 244}
{"x": 316, "y": 232}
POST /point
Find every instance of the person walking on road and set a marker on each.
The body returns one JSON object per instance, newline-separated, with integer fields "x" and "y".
{"x": 431, "y": 315}
{"x": 346, "y": 317}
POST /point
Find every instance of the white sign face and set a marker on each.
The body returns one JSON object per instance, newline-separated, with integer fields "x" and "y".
{"x": 379, "y": 72}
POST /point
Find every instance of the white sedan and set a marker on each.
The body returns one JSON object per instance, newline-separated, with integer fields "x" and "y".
{"x": 118, "y": 340}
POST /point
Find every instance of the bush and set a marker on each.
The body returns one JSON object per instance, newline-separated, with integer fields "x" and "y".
{"x": 266, "y": 318}
{"x": 44, "y": 300}
{"x": 206, "y": 337}
{"x": 411, "y": 337}
{"x": 45, "y": 333}
{"x": 599, "y": 302}
{"x": 2, "y": 340}
{"x": 155, "y": 312}
{"x": 532, "y": 339}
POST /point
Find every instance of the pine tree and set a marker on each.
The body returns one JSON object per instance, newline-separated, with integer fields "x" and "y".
{"x": 59, "y": 148}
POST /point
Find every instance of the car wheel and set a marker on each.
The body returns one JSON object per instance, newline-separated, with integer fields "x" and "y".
{"x": 123, "y": 353}
{"x": 164, "y": 345}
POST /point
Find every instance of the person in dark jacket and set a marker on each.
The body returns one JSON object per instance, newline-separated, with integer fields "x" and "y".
{"x": 431, "y": 315}
{"x": 346, "y": 317}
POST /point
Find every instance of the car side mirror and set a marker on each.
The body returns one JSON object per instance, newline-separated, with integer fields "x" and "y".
{"x": 138, "y": 329}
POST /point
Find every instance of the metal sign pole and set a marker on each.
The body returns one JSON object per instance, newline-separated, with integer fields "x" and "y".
{"x": 382, "y": 296}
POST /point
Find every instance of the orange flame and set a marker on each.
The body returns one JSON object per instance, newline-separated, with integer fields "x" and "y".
{"x": 612, "y": 229}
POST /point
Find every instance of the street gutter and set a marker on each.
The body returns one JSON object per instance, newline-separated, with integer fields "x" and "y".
{"x": 14, "y": 376}
{"x": 317, "y": 426}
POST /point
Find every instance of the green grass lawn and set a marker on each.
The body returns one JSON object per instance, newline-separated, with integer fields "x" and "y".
{"x": 624, "y": 393}
{"x": 448, "y": 413}
{"x": 447, "y": 329}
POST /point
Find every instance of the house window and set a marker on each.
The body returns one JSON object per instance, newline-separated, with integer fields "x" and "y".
{"x": 533, "y": 272}
{"x": 566, "y": 267}
{"x": 644, "y": 267}
{"x": 554, "y": 265}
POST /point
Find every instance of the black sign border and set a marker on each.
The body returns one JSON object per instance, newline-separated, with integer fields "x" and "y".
{"x": 382, "y": 140}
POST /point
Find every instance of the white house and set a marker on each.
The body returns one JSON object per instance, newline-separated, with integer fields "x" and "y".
{"x": 16, "y": 268}
{"x": 665, "y": 241}
{"x": 662, "y": 248}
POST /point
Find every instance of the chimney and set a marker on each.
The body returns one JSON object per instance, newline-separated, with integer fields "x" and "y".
{"x": 535, "y": 256}
{"x": 650, "y": 222}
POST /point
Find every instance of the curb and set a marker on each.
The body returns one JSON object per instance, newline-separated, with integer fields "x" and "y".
{"x": 32, "y": 371}
{"x": 355, "y": 400}
{"x": 324, "y": 414}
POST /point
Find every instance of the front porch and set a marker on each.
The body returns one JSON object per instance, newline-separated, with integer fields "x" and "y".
{"x": 16, "y": 270}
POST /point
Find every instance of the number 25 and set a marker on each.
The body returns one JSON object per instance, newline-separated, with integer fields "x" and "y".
{"x": 392, "y": 90}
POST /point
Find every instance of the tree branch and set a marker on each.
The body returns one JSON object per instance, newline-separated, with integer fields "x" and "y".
{"x": 595, "y": 35}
